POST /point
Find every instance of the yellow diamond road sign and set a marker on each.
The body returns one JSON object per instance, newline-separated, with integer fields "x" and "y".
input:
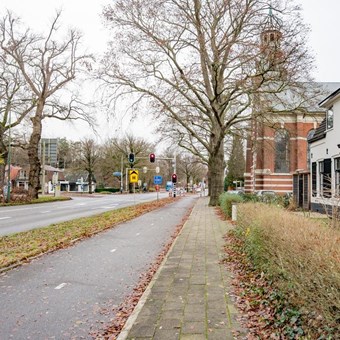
{"x": 133, "y": 176}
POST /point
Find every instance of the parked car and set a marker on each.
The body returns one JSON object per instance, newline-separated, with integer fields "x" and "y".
{"x": 265, "y": 193}
{"x": 236, "y": 192}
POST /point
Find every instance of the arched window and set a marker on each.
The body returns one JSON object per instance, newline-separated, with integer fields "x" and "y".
{"x": 282, "y": 151}
{"x": 309, "y": 136}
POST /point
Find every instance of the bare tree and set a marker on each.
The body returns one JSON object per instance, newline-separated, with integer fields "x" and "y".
{"x": 120, "y": 148}
{"x": 47, "y": 66}
{"x": 197, "y": 64}
{"x": 15, "y": 105}
{"x": 191, "y": 168}
{"x": 89, "y": 156}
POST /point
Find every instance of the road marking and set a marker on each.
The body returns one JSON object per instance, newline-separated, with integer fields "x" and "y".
{"x": 80, "y": 204}
{"x": 137, "y": 234}
{"x": 45, "y": 212}
{"x": 4, "y": 218}
{"x": 113, "y": 250}
{"x": 62, "y": 285}
{"x": 11, "y": 210}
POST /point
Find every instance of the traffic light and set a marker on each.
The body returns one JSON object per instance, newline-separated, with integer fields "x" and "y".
{"x": 131, "y": 158}
{"x": 174, "y": 178}
{"x": 152, "y": 157}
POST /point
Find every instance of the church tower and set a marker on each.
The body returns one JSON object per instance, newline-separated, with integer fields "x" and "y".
{"x": 277, "y": 145}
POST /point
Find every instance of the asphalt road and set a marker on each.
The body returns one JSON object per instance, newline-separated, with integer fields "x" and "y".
{"x": 71, "y": 292}
{"x": 25, "y": 217}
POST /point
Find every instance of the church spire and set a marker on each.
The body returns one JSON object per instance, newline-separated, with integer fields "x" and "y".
{"x": 271, "y": 33}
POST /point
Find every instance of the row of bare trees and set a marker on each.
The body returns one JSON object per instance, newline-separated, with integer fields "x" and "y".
{"x": 100, "y": 160}
{"x": 204, "y": 68}
{"x": 36, "y": 75}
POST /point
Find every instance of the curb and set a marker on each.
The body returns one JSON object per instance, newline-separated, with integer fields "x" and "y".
{"x": 133, "y": 317}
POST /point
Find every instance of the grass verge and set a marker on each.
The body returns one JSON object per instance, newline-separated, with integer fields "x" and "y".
{"x": 300, "y": 261}
{"x": 42, "y": 199}
{"x": 18, "y": 248}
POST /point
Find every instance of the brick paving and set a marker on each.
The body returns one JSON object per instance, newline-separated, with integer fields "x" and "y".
{"x": 189, "y": 297}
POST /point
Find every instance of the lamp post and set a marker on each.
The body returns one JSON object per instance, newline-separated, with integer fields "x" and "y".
{"x": 9, "y": 160}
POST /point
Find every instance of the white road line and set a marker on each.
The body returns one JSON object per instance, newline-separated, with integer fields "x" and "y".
{"x": 62, "y": 285}
{"x": 45, "y": 212}
{"x": 4, "y": 218}
{"x": 137, "y": 234}
{"x": 113, "y": 250}
{"x": 13, "y": 210}
{"x": 78, "y": 204}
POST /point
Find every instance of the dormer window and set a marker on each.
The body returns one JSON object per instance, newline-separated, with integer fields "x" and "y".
{"x": 330, "y": 116}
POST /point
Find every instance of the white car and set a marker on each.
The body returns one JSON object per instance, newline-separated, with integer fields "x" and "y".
{"x": 265, "y": 193}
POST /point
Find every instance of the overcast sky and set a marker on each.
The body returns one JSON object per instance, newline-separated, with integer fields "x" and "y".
{"x": 322, "y": 16}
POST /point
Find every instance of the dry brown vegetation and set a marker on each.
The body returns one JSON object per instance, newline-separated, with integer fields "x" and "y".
{"x": 300, "y": 256}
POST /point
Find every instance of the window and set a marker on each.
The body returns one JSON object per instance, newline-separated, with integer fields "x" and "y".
{"x": 325, "y": 168}
{"x": 309, "y": 136}
{"x": 337, "y": 176}
{"x": 330, "y": 116}
{"x": 281, "y": 151}
{"x": 314, "y": 189}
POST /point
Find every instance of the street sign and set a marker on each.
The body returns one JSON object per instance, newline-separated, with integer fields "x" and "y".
{"x": 157, "y": 169}
{"x": 157, "y": 180}
{"x": 133, "y": 176}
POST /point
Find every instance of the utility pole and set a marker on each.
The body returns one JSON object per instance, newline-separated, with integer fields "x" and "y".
{"x": 43, "y": 167}
{"x": 121, "y": 174}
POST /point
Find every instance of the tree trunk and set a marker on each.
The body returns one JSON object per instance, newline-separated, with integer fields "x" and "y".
{"x": 90, "y": 183}
{"x": 4, "y": 154}
{"x": 216, "y": 175}
{"x": 33, "y": 154}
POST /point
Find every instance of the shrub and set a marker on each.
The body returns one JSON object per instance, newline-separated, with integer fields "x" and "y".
{"x": 106, "y": 190}
{"x": 299, "y": 255}
{"x": 226, "y": 200}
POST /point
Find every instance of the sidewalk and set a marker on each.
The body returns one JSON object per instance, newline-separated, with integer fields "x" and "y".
{"x": 188, "y": 298}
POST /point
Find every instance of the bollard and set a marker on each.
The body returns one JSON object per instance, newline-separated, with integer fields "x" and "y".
{"x": 233, "y": 211}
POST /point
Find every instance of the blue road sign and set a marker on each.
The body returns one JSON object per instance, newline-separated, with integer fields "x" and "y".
{"x": 157, "y": 180}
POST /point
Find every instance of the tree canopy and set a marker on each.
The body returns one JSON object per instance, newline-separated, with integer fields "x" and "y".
{"x": 199, "y": 65}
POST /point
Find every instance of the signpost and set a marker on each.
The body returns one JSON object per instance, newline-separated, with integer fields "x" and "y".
{"x": 157, "y": 180}
{"x": 133, "y": 176}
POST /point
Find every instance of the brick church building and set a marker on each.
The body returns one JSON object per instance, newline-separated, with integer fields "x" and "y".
{"x": 277, "y": 146}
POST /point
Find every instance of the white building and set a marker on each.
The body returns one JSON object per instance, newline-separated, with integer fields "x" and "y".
{"x": 325, "y": 157}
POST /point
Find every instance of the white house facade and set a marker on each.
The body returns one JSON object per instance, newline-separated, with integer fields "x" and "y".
{"x": 325, "y": 157}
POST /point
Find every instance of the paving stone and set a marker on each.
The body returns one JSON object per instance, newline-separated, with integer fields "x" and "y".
{"x": 142, "y": 330}
{"x": 189, "y": 300}
{"x": 193, "y": 327}
{"x": 169, "y": 323}
{"x": 166, "y": 334}
{"x": 193, "y": 337}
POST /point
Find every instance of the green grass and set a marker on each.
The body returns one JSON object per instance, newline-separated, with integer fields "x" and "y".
{"x": 42, "y": 199}
{"x": 20, "y": 247}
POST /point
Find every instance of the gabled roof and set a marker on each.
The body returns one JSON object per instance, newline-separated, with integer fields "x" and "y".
{"x": 326, "y": 103}
{"x": 14, "y": 170}
{"x": 319, "y": 133}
